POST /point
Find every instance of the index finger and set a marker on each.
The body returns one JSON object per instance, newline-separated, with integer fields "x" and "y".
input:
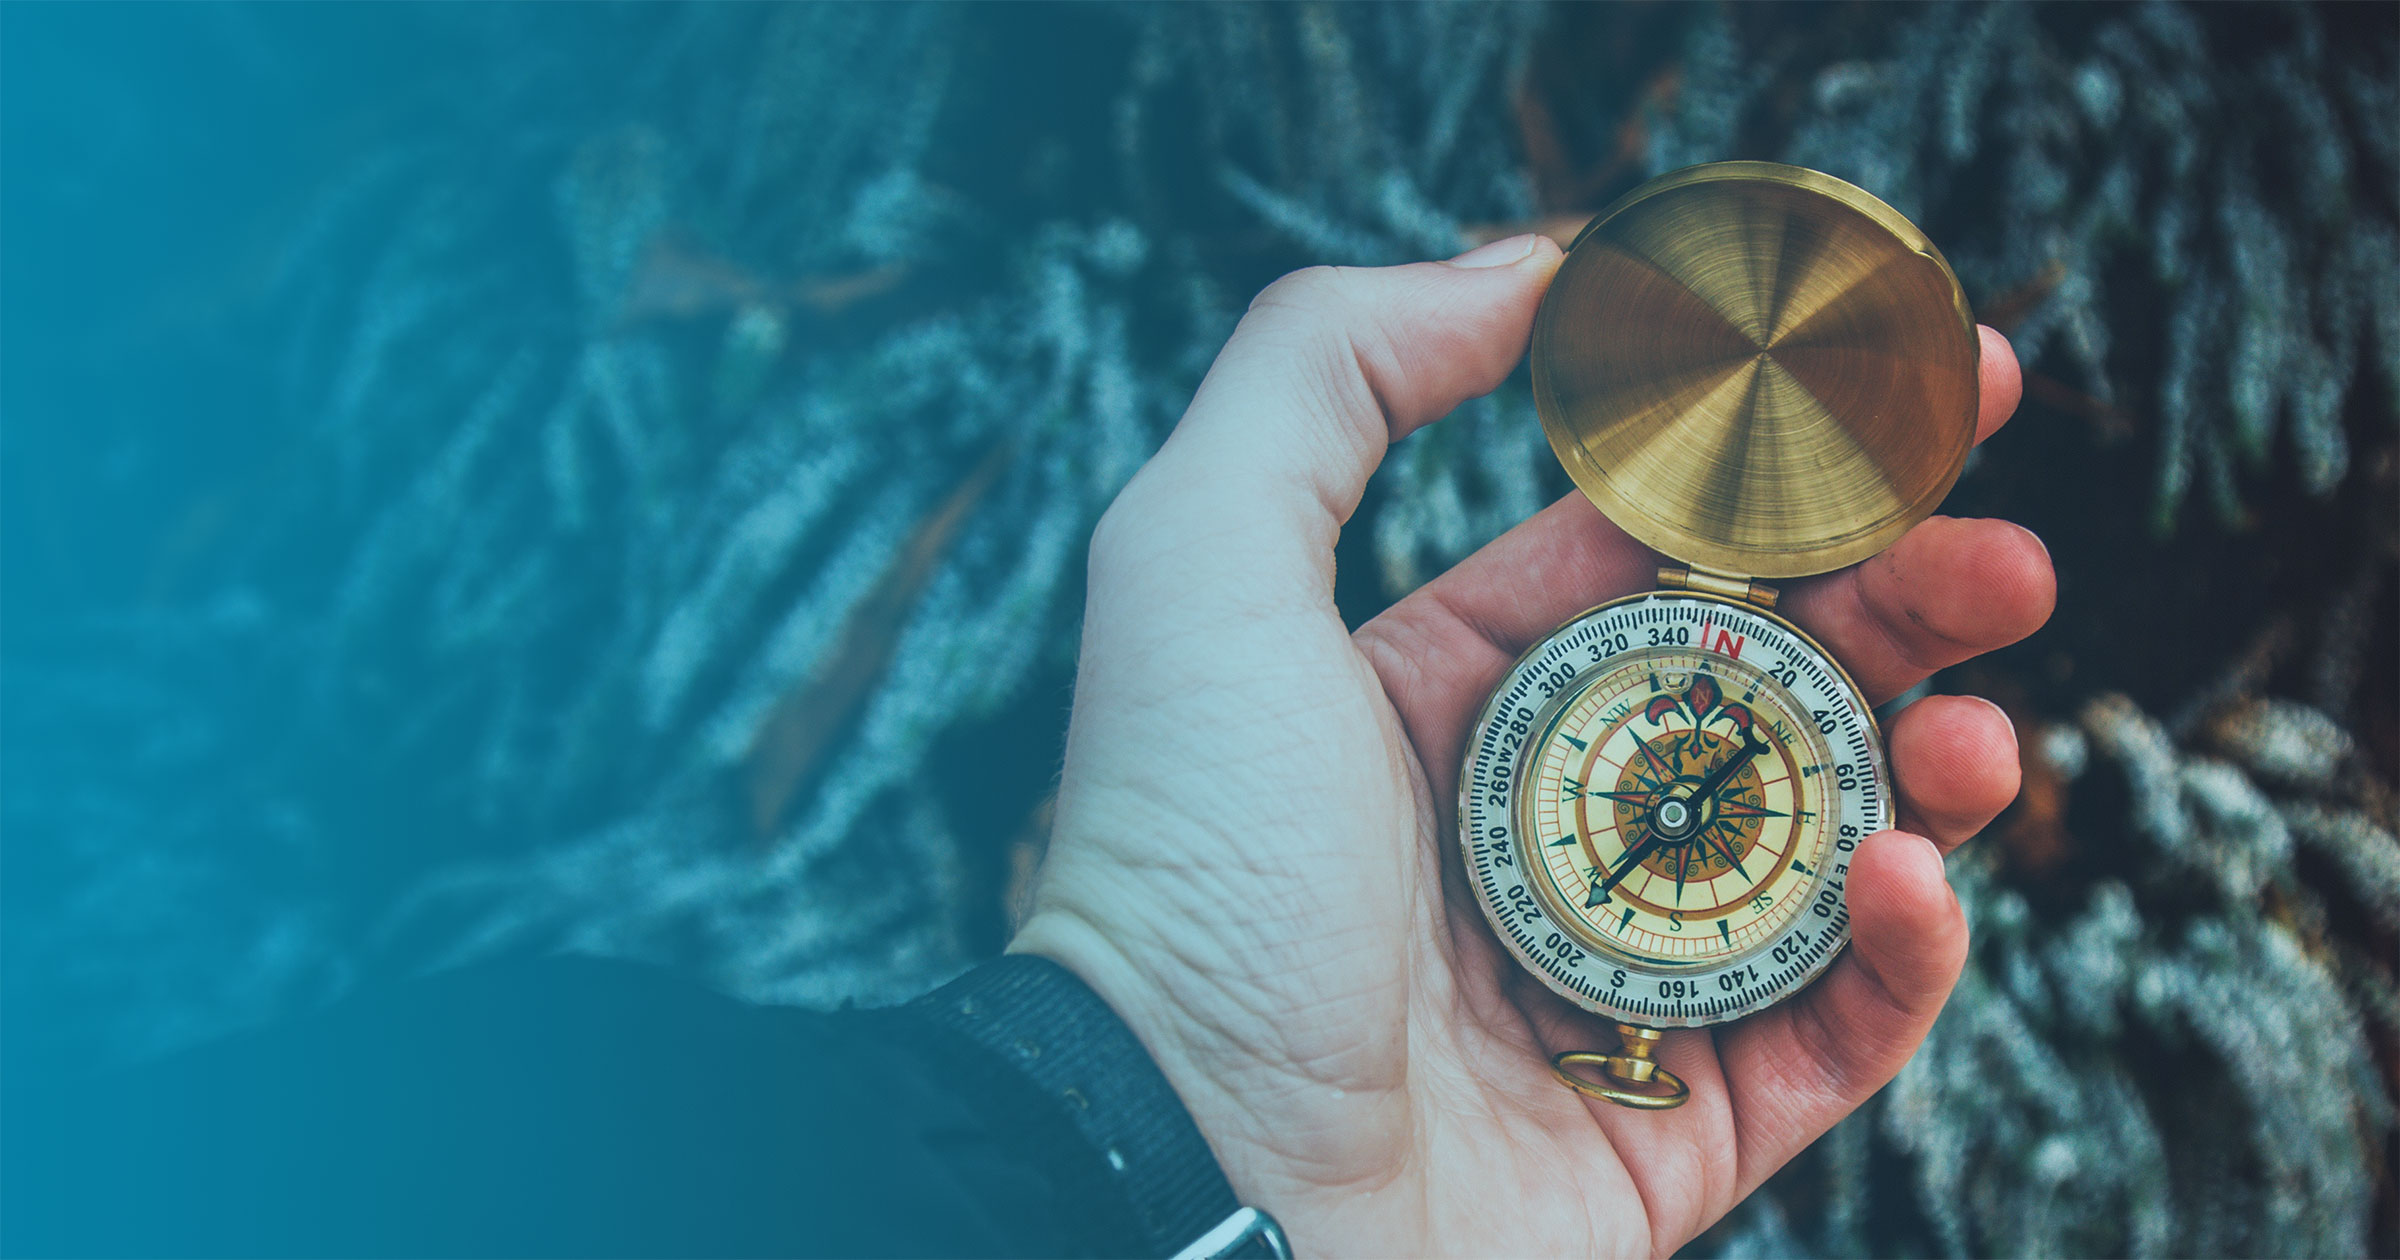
{"x": 1948, "y": 590}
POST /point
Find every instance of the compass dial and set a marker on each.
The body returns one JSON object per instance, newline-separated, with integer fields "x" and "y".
{"x": 1661, "y": 804}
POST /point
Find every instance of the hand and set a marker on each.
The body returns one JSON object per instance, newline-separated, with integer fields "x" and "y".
{"x": 1254, "y": 857}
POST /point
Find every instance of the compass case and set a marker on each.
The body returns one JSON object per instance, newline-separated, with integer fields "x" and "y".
{"x": 1757, "y": 368}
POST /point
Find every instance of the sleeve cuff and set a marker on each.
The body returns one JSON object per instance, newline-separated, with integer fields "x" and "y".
{"x": 1144, "y": 1160}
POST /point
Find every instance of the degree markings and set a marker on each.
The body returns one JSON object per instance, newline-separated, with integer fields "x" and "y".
{"x": 1727, "y": 892}
{"x": 1491, "y": 800}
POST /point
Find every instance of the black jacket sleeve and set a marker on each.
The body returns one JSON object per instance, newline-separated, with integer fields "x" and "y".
{"x": 578, "y": 1107}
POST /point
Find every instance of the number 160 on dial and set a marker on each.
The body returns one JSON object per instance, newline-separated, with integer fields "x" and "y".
{"x": 1662, "y": 804}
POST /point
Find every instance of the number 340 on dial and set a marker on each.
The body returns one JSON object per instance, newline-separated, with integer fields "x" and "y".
{"x": 1661, "y": 804}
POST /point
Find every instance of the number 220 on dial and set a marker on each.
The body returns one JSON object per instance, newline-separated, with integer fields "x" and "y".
{"x": 1661, "y": 804}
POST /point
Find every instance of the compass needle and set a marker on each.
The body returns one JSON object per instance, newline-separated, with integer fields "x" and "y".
{"x": 1763, "y": 373}
{"x": 1598, "y": 896}
{"x": 1723, "y": 849}
{"x": 1633, "y": 858}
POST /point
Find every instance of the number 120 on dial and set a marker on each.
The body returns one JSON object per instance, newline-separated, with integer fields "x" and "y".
{"x": 1660, "y": 807}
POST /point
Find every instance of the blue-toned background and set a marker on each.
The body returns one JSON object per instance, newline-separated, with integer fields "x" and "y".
{"x": 494, "y": 480}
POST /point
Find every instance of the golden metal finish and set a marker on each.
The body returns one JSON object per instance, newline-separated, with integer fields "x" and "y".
{"x": 1675, "y": 577}
{"x": 1633, "y": 1067}
{"x": 1757, "y": 368}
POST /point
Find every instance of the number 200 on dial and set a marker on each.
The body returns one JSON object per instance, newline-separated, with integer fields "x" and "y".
{"x": 1660, "y": 807}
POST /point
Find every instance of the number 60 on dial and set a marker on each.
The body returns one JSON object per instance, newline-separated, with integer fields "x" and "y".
{"x": 1762, "y": 372}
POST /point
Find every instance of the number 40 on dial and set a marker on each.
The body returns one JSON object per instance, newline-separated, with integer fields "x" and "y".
{"x": 1661, "y": 806}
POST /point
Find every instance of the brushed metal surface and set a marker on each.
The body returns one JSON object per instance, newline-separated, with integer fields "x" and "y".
{"x": 1757, "y": 368}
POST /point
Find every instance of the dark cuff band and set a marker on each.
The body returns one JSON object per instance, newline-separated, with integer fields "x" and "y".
{"x": 1044, "y": 1022}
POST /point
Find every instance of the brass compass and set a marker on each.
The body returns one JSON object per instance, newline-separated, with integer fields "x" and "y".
{"x": 1761, "y": 372}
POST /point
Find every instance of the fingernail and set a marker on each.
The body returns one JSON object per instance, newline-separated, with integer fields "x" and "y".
{"x": 1498, "y": 253}
{"x": 2037, "y": 540}
{"x": 2005, "y": 719}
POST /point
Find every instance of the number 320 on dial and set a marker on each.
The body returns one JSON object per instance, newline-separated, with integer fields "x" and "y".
{"x": 1661, "y": 805}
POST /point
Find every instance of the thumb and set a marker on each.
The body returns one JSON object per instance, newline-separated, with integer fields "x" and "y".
{"x": 1327, "y": 369}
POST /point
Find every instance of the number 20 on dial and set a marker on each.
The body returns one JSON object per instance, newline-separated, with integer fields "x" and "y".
{"x": 1761, "y": 372}
{"x": 1661, "y": 806}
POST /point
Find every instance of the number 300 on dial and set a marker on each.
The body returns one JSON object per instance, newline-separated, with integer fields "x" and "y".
{"x": 1661, "y": 803}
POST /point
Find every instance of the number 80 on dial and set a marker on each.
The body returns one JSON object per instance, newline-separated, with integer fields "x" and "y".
{"x": 1661, "y": 805}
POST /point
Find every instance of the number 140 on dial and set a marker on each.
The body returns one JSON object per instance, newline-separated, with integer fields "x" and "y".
{"x": 1661, "y": 805}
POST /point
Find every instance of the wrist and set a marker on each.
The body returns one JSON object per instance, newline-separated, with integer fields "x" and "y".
{"x": 1298, "y": 1085}
{"x": 1156, "y": 1005}
{"x": 1118, "y": 1138}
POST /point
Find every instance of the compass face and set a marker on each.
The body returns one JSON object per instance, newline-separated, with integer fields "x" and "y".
{"x": 1661, "y": 804}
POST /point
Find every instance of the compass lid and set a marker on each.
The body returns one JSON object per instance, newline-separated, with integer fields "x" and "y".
{"x": 1757, "y": 368}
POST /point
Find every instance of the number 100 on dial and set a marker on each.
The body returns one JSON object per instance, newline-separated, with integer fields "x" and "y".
{"x": 1661, "y": 804}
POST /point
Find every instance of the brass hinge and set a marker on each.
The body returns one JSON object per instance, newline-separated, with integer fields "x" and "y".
{"x": 1729, "y": 585}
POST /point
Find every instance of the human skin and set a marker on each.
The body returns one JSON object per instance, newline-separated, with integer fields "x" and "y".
{"x": 1254, "y": 858}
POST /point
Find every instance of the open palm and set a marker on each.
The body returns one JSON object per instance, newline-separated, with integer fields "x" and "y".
{"x": 1254, "y": 856}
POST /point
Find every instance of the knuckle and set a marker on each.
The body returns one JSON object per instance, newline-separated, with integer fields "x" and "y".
{"x": 1314, "y": 290}
{"x": 1115, "y": 534}
{"x": 1146, "y": 520}
{"x": 1325, "y": 323}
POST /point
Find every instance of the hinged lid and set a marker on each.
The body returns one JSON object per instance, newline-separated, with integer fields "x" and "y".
{"x": 1757, "y": 368}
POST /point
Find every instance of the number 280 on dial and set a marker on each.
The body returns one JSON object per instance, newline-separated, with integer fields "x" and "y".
{"x": 1660, "y": 807}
